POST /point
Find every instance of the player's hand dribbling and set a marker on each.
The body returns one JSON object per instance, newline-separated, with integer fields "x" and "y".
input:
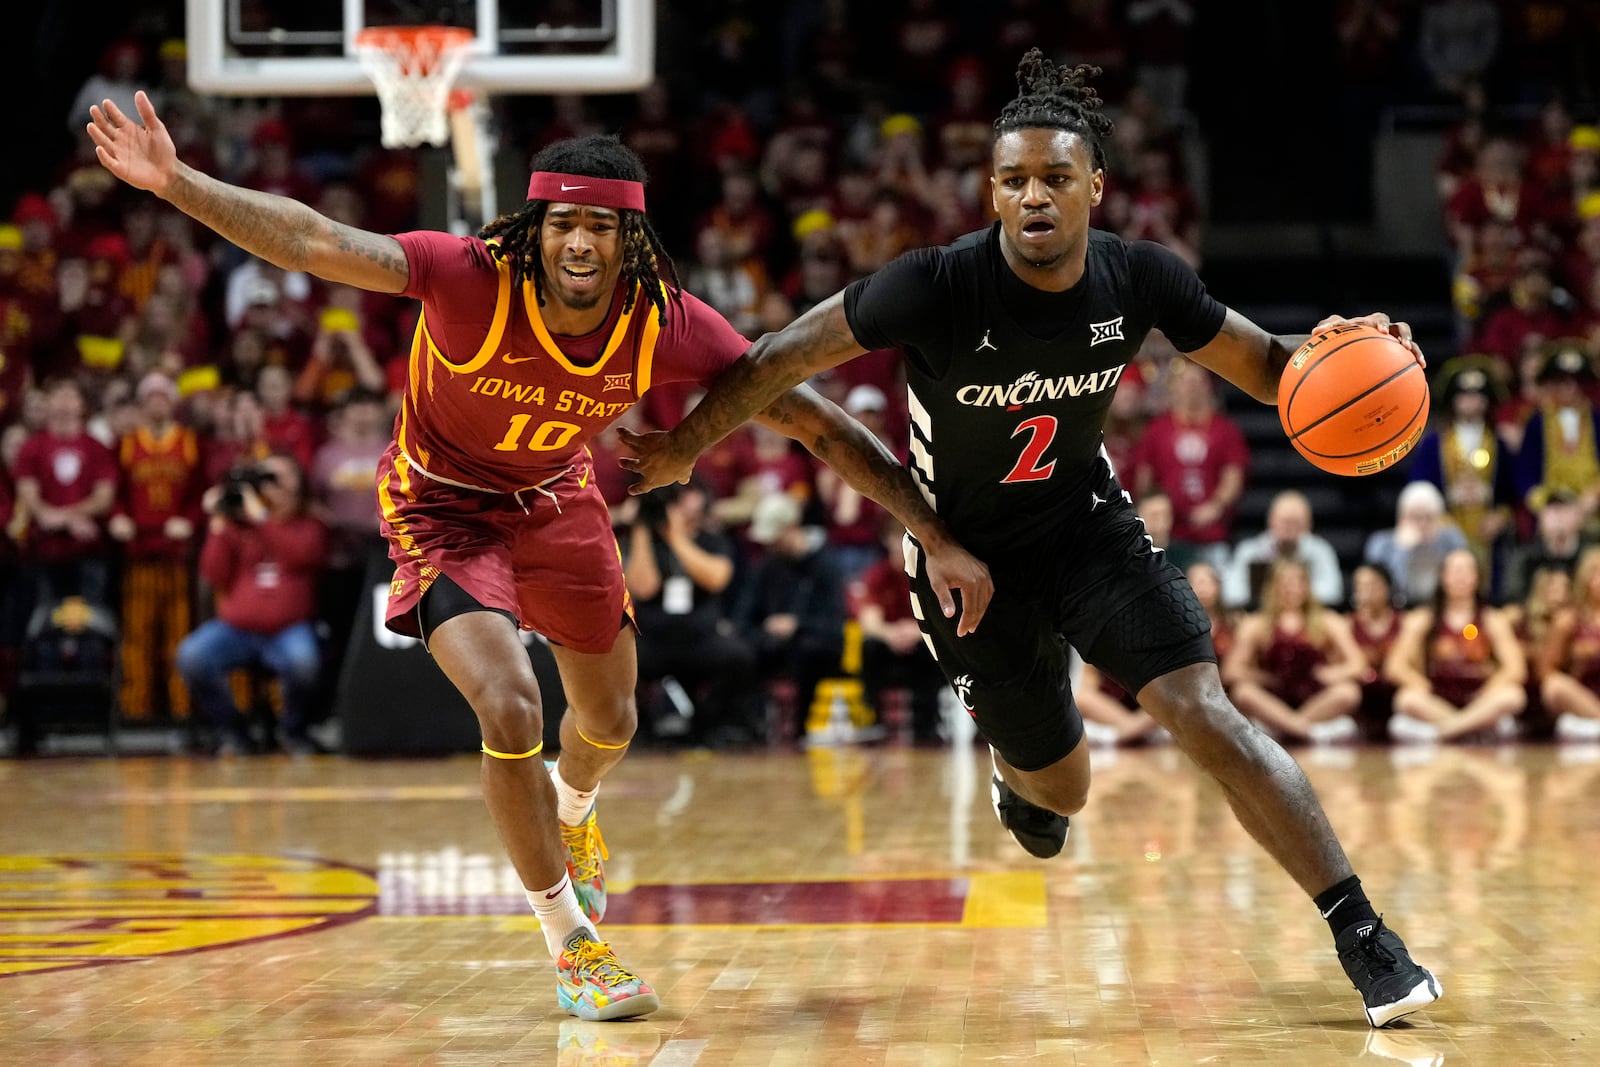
{"x": 1400, "y": 331}
{"x": 142, "y": 156}
{"x": 652, "y": 460}
{"x": 953, "y": 568}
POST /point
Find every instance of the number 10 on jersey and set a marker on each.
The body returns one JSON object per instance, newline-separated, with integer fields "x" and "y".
{"x": 546, "y": 437}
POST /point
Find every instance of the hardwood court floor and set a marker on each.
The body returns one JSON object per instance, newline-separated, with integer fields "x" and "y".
{"x": 839, "y": 907}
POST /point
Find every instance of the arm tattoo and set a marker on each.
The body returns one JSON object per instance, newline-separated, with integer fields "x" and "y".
{"x": 855, "y": 454}
{"x": 777, "y": 362}
{"x": 291, "y": 235}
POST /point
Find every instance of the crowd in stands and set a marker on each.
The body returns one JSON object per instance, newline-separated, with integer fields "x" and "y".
{"x": 189, "y": 435}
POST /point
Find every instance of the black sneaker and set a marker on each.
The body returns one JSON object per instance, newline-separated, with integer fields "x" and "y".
{"x": 1381, "y": 969}
{"x": 1041, "y": 832}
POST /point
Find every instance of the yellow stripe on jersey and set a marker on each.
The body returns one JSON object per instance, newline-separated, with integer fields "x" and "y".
{"x": 530, "y": 304}
{"x": 416, "y": 359}
{"x": 647, "y": 351}
{"x": 491, "y": 341}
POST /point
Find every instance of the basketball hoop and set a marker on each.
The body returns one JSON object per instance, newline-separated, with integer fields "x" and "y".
{"x": 413, "y": 68}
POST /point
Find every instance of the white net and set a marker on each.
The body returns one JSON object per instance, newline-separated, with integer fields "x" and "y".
{"x": 413, "y": 68}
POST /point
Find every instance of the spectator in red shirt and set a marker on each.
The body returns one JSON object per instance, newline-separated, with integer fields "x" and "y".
{"x": 853, "y": 521}
{"x": 892, "y": 651}
{"x": 1531, "y": 311}
{"x": 66, "y": 483}
{"x": 262, "y": 558}
{"x": 1197, "y": 456}
{"x": 275, "y": 170}
{"x": 285, "y": 429}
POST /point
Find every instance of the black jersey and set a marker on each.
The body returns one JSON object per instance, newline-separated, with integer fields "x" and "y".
{"x": 1010, "y": 385}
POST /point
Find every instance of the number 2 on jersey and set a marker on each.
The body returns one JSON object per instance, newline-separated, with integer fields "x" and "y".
{"x": 1041, "y": 431}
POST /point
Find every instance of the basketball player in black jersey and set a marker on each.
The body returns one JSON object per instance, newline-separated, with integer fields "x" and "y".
{"x": 1015, "y": 338}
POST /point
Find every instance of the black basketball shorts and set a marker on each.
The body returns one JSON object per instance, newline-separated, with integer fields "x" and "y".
{"x": 1095, "y": 584}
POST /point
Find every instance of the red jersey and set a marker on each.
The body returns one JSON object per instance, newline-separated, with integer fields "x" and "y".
{"x": 495, "y": 403}
{"x": 67, "y": 469}
{"x": 1186, "y": 461}
{"x": 161, "y": 480}
{"x": 265, "y": 576}
{"x": 1290, "y": 659}
{"x": 885, "y": 584}
{"x": 1458, "y": 665}
{"x": 1375, "y": 644}
{"x": 1583, "y": 655}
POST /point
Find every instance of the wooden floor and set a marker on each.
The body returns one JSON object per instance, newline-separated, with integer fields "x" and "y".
{"x": 837, "y": 907}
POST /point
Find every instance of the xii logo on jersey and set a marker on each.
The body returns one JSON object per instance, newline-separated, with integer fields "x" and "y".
{"x": 619, "y": 381}
{"x": 1110, "y": 330}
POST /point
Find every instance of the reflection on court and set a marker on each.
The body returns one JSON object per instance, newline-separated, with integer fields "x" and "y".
{"x": 853, "y": 906}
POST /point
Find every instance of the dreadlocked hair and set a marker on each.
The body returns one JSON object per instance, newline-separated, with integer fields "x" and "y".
{"x": 645, "y": 263}
{"x": 1057, "y": 98}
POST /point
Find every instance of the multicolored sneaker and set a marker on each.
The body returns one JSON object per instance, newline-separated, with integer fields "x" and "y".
{"x": 592, "y": 985}
{"x": 586, "y": 856}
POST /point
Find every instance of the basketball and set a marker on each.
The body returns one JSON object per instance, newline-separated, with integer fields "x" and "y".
{"x": 1353, "y": 400}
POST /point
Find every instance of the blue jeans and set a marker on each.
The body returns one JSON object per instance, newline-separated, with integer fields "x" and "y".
{"x": 207, "y": 656}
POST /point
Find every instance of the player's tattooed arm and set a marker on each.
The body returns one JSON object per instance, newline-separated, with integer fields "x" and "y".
{"x": 281, "y": 231}
{"x": 857, "y": 456}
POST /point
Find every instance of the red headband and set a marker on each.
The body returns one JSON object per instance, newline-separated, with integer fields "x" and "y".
{"x": 582, "y": 189}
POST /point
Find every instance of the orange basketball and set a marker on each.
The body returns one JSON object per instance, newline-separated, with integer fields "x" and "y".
{"x": 1353, "y": 400}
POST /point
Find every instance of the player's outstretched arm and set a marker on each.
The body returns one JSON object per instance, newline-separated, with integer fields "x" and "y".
{"x": 281, "y": 231}
{"x": 816, "y": 341}
{"x": 1253, "y": 359}
{"x": 857, "y": 456}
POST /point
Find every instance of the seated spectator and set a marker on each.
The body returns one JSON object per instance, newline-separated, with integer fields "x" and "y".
{"x": 1155, "y": 511}
{"x": 1414, "y": 548}
{"x": 155, "y": 517}
{"x": 1532, "y": 312}
{"x": 1374, "y": 623}
{"x": 1532, "y": 621}
{"x": 677, "y": 572}
{"x": 1197, "y": 456}
{"x": 1456, "y": 663}
{"x": 770, "y": 466}
{"x": 1294, "y": 667}
{"x": 1111, "y": 715}
{"x": 1206, "y": 582}
{"x": 733, "y": 287}
{"x": 1287, "y": 536}
{"x": 262, "y": 557}
{"x": 1464, "y": 458}
{"x": 285, "y": 428}
{"x": 1569, "y": 661}
{"x": 792, "y": 605}
{"x": 1558, "y": 542}
{"x": 893, "y": 654}
{"x": 854, "y": 522}
{"x": 66, "y": 486}
{"x": 341, "y": 360}
{"x": 1561, "y": 442}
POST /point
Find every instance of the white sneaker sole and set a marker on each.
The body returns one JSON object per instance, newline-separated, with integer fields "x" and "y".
{"x": 1426, "y": 992}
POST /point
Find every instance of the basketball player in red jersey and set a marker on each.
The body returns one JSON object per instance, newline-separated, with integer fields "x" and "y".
{"x": 532, "y": 339}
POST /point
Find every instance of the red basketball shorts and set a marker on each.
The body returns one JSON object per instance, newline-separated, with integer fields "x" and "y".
{"x": 549, "y": 559}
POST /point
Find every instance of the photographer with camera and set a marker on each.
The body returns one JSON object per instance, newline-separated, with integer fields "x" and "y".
{"x": 677, "y": 572}
{"x": 261, "y": 558}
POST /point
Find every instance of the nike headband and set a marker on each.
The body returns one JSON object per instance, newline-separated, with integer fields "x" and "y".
{"x": 582, "y": 189}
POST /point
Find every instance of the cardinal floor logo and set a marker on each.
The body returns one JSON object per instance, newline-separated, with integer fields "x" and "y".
{"x": 64, "y": 911}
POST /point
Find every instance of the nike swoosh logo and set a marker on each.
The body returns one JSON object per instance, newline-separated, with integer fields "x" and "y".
{"x": 558, "y": 892}
{"x": 1336, "y": 904}
{"x": 565, "y": 188}
{"x": 509, "y": 358}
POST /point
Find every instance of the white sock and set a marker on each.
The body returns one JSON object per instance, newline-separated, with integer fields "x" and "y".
{"x": 559, "y": 914}
{"x": 572, "y": 806}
